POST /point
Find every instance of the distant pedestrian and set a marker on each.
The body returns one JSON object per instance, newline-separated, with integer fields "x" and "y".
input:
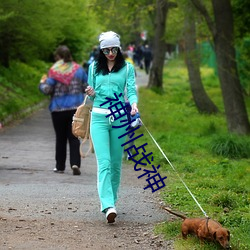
{"x": 138, "y": 55}
{"x": 108, "y": 76}
{"x": 147, "y": 54}
{"x": 93, "y": 56}
{"x": 65, "y": 84}
{"x": 128, "y": 59}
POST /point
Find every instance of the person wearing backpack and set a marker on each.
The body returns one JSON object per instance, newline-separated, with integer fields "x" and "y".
{"x": 65, "y": 83}
{"x": 108, "y": 76}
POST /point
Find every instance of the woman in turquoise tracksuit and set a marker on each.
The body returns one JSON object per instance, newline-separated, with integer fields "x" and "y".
{"x": 108, "y": 76}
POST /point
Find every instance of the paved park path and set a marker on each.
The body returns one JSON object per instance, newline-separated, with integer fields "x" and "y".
{"x": 40, "y": 209}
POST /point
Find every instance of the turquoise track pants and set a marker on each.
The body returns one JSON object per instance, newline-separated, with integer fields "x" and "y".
{"x": 108, "y": 153}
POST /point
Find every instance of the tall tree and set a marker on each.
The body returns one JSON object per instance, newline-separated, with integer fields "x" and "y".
{"x": 201, "y": 99}
{"x": 242, "y": 33}
{"x": 223, "y": 38}
{"x": 159, "y": 44}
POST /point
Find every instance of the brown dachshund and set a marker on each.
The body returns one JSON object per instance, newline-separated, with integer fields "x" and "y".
{"x": 204, "y": 229}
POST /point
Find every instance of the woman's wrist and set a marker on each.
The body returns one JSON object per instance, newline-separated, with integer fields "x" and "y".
{"x": 134, "y": 108}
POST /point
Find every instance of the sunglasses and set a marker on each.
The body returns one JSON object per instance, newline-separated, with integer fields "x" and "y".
{"x": 106, "y": 51}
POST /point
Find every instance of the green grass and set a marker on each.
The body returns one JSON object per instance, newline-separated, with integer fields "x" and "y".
{"x": 19, "y": 88}
{"x": 214, "y": 164}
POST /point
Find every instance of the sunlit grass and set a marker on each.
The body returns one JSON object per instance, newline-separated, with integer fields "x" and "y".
{"x": 192, "y": 143}
{"x": 19, "y": 87}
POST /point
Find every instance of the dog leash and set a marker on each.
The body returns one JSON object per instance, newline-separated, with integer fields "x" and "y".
{"x": 175, "y": 170}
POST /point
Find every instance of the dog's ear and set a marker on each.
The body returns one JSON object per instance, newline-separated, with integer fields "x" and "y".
{"x": 228, "y": 237}
{"x": 214, "y": 235}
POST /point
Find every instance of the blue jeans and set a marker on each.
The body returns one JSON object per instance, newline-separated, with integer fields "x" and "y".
{"x": 108, "y": 153}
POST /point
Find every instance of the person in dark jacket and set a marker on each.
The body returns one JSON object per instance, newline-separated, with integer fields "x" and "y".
{"x": 147, "y": 54}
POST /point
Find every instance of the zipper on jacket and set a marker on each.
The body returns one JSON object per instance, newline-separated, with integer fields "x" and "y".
{"x": 109, "y": 85}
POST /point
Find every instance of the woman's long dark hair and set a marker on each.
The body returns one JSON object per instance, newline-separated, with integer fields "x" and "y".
{"x": 102, "y": 67}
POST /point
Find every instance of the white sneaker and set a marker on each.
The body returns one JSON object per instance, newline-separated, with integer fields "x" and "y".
{"x": 111, "y": 214}
{"x": 76, "y": 170}
{"x": 58, "y": 171}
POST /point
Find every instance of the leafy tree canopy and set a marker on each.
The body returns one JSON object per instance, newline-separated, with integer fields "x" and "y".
{"x": 33, "y": 32}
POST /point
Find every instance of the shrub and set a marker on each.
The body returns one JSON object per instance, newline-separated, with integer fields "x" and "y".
{"x": 231, "y": 146}
{"x": 223, "y": 200}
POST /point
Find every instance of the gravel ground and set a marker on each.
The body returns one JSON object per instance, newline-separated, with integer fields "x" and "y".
{"x": 40, "y": 209}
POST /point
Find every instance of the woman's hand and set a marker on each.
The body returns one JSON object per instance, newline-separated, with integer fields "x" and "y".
{"x": 43, "y": 79}
{"x": 90, "y": 91}
{"x": 134, "y": 109}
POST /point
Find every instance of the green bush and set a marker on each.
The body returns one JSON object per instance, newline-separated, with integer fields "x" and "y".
{"x": 231, "y": 146}
{"x": 19, "y": 87}
{"x": 223, "y": 200}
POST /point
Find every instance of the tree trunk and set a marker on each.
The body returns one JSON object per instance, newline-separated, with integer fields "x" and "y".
{"x": 159, "y": 46}
{"x": 201, "y": 99}
{"x": 235, "y": 109}
{"x": 223, "y": 38}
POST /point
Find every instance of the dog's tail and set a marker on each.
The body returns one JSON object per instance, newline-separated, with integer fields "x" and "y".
{"x": 175, "y": 213}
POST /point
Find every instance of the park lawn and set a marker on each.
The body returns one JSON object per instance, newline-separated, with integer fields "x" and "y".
{"x": 219, "y": 182}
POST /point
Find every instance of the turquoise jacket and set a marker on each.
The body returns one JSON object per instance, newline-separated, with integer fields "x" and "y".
{"x": 121, "y": 82}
